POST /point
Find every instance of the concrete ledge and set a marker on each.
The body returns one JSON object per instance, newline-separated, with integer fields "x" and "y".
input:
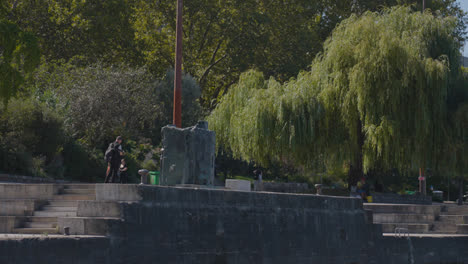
{"x": 286, "y": 187}
{"x": 403, "y": 218}
{"x": 27, "y": 191}
{"x": 401, "y": 198}
{"x": 238, "y": 185}
{"x": 403, "y": 208}
{"x": 412, "y": 228}
{"x": 176, "y": 196}
{"x": 98, "y": 209}
{"x": 86, "y": 226}
{"x": 117, "y": 192}
{"x": 19, "y": 207}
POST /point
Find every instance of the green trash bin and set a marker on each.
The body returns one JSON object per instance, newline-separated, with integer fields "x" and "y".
{"x": 154, "y": 177}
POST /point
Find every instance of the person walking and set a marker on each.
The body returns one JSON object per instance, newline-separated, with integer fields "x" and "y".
{"x": 113, "y": 158}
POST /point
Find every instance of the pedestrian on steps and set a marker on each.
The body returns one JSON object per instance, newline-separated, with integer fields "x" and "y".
{"x": 113, "y": 158}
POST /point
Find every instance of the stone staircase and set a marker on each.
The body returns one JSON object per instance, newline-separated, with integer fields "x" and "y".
{"x": 421, "y": 219}
{"x": 64, "y": 204}
{"x": 453, "y": 219}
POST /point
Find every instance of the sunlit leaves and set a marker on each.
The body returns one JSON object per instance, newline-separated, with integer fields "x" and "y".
{"x": 383, "y": 76}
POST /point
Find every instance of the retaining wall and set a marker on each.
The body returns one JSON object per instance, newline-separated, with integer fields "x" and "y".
{"x": 401, "y": 199}
{"x": 189, "y": 225}
{"x": 286, "y": 187}
{"x": 185, "y": 225}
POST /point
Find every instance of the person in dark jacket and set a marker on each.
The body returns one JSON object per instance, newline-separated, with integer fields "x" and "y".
{"x": 113, "y": 156}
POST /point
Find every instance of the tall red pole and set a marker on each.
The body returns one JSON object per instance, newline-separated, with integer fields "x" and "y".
{"x": 177, "y": 114}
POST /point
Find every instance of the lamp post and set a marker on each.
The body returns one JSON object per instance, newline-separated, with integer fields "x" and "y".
{"x": 177, "y": 113}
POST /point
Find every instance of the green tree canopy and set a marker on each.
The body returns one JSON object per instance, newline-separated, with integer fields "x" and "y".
{"x": 221, "y": 39}
{"x": 91, "y": 30}
{"x": 19, "y": 55}
{"x": 377, "y": 94}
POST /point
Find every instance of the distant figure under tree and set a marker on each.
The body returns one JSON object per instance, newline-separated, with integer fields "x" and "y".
{"x": 258, "y": 185}
{"x": 113, "y": 157}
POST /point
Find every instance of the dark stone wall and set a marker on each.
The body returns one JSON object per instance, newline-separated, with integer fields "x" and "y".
{"x": 401, "y": 199}
{"x": 187, "y": 225}
{"x": 182, "y": 225}
{"x": 54, "y": 250}
{"x": 425, "y": 250}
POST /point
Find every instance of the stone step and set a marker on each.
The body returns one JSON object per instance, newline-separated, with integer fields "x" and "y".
{"x": 403, "y": 208}
{"x": 68, "y": 203}
{"x": 40, "y": 224}
{"x": 412, "y": 228}
{"x": 41, "y": 219}
{"x": 453, "y": 219}
{"x": 59, "y": 208}
{"x": 75, "y": 197}
{"x": 78, "y": 191}
{"x": 54, "y": 214}
{"x": 456, "y": 210}
{"x": 35, "y": 230}
{"x": 445, "y": 228}
{"x": 403, "y": 218}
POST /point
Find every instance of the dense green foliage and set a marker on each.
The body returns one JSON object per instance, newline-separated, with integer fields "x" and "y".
{"x": 69, "y": 114}
{"x": 104, "y": 69}
{"x": 19, "y": 55}
{"x": 376, "y": 97}
{"x": 30, "y": 136}
{"x": 221, "y": 40}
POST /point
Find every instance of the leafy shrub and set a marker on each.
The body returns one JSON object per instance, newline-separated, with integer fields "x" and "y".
{"x": 99, "y": 103}
{"x": 31, "y": 135}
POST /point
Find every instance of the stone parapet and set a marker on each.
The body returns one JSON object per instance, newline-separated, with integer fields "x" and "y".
{"x": 286, "y": 187}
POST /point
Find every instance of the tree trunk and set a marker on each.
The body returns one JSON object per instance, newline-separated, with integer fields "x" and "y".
{"x": 356, "y": 169}
{"x": 460, "y": 191}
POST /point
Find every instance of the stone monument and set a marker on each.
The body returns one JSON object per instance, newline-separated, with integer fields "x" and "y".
{"x": 188, "y": 155}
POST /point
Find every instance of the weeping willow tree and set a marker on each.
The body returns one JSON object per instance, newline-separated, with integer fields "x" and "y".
{"x": 386, "y": 77}
{"x": 377, "y": 94}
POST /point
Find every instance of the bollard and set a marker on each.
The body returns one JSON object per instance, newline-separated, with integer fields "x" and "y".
{"x": 144, "y": 176}
{"x": 319, "y": 188}
{"x": 66, "y": 231}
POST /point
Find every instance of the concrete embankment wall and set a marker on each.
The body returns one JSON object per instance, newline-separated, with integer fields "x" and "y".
{"x": 188, "y": 225}
{"x": 183, "y": 225}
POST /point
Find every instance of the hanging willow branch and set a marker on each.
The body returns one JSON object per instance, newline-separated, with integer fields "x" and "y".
{"x": 381, "y": 76}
